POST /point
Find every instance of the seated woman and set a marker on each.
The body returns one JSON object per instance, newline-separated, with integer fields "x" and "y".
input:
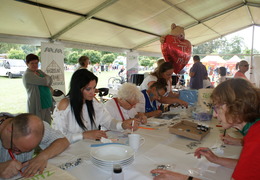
{"x": 165, "y": 71}
{"x": 123, "y": 106}
{"x": 148, "y": 102}
{"x": 80, "y": 116}
{"x": 237, "y": 105}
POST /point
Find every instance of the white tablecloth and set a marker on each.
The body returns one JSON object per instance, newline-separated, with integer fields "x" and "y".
{"x": 160, "y": 147}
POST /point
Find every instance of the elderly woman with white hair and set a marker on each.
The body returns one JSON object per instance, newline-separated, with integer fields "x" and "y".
{"x": 123, "y": 106}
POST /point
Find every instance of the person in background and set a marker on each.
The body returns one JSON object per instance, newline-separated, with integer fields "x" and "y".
{"x": 164, "y": 71}
{"x": 123, "y": 106}
{"x": 122, "y": 74}
{"x": 80, "y": 116}
{"x": 148, "y": 102}
{"x": 38, "y": 88}
{"x": 21, "y": 134}
{"x": 237, "y": 105}
{"x": 222, "y": 72}
{"x": 243, "y": 67}
{"x": 197, "y": 73}
{"x": 207, "y": 83}
{"x": 83, "y": 62}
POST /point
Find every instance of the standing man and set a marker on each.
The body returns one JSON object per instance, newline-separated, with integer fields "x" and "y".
{"x": 19, "y": 135}
{"x": 197, "y": 74}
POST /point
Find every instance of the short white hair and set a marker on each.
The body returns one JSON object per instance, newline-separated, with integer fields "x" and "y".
{"x": 129, "y": 91}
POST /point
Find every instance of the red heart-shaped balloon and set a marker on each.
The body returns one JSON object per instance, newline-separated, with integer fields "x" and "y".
{"x": 176, "y": 51}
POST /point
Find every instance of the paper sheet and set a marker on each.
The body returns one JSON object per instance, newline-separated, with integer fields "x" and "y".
{"x": 51, "y": 172}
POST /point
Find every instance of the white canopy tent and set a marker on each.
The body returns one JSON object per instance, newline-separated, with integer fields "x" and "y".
{"x": 122, "y": 25}
{"x": 213, "y": 60}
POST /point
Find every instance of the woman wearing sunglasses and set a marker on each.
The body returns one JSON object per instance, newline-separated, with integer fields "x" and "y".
{"x": 243, "y": 67}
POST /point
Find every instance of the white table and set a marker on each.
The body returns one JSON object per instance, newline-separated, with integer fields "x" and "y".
{"x": 160, "y": 147}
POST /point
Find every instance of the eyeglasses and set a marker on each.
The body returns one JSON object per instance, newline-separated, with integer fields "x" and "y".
{"x": 158, "y": 93}
{"x": 246, "y": 65}
{"x": 217, "y": 107}
{"x": 13, "y": 148}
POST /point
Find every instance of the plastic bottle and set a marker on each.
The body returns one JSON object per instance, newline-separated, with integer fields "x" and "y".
{"x": 117, "y": 172}
{"x": 188, "y": 83}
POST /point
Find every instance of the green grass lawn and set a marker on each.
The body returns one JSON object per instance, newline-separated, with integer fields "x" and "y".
{"x": 13, "y": 96}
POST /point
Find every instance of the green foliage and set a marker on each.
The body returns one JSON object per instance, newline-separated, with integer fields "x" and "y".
{"x": 221, "y": 46}
{"x": 107, "y": 58}
{"x": 73, "y": 57}
{"x": 94, "y": 56}
{"x": 28, "y": 49}
{"x": 16, "y": 54}
{"x": 147, "y": 61}
{"x": 5, "y": 47}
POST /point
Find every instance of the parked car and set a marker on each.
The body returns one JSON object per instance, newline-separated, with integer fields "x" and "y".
{"x": 12, "y": 67}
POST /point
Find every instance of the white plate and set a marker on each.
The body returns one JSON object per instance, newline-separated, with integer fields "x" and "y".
{"x": 113, "y": 152}
{"x": 110, "y": 163}
{"x": 109, "y": 168}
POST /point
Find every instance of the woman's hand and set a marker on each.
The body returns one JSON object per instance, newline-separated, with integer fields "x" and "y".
{"x": 141, "y": 117}
{"x": 168, "y": 175}
{"x": 94, "y": 134}
{"x": 157, "y": 113}
{"x": 183, "y": 103}
{"x": 230, "y": 140}
{"x": 209, "y": 155}
{"x": 131, "y": 124}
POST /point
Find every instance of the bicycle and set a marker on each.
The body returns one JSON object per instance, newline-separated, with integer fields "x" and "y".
{"x": 114, "y": 81}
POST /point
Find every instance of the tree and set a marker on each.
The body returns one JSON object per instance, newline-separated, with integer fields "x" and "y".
{"x": 94, "y": 56}
{"x": 73, "y": 57}
{"x": 145, "y": 62}
{"x": 107, "y": 58}
{"x": 28, "y": 49}
{"x": 221, "y": 46}
{"x": 16, "y": 54}
{"x": 5, "y": 47}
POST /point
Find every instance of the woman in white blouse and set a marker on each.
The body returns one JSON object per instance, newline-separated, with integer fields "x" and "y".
{"x": 122, "y": 107}
{"x": 164, "y": 71}
{"x": 80, "y": 116}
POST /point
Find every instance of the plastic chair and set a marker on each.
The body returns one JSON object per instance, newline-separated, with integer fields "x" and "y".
{"x": 57, "y": 96}
{"x": 103, "y": 92}
{"x": 57, "y": 93}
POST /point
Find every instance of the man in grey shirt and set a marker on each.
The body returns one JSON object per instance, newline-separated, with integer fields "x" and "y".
{"x": 19, "y": 136}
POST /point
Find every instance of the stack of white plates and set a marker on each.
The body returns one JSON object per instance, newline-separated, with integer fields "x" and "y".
{"x": 108, "y": 155}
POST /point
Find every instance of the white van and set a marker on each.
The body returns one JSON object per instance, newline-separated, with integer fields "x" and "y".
{"x": 12, "y": 67}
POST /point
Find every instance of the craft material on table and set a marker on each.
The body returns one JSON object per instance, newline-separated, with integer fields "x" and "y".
{"x": 51, "y": 172}
{"x": 203, "y": 150}
{"x": 189, "y": 129}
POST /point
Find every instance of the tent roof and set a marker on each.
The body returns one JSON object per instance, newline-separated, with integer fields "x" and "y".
{"x": 235, "y": 59}
{"x": 122, "y": 25}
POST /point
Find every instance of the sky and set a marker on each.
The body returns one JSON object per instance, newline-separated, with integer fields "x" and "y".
{"x": 247, "y": 35}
